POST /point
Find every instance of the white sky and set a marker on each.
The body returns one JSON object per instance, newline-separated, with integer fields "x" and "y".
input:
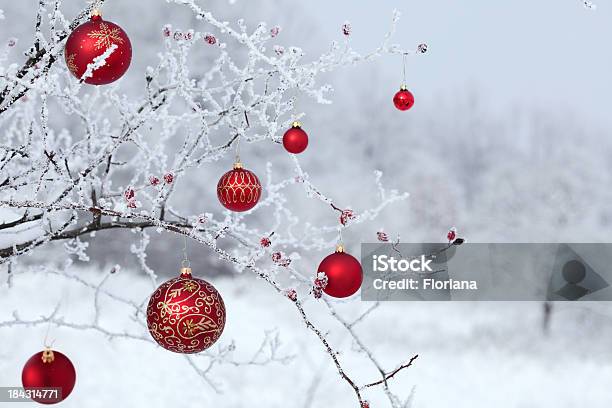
{"x": 543, "y": 54}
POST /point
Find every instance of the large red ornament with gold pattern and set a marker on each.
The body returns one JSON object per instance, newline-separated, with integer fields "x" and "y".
{"x": 49, "y": 369}
{"x": 343, "y": 272}
{"x": 186, "y": 314}
{"x": 91, "y": 40}
{"x": 239, "y": 189}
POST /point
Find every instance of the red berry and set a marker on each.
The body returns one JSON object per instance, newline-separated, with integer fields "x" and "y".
{"x": 168, "y": 178}
{"x": 265, "y": 242}
{"x": 291, "y": 294}
{"x": 129, "y": 193}
{"x": 321, "y": 280}
{"x": 210, "y": 39}
{"x": 346, "y": 216}
{"x": 382, "y": 236}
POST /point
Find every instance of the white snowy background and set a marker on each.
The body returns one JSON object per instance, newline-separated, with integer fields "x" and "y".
{"x": 508, "y": 140}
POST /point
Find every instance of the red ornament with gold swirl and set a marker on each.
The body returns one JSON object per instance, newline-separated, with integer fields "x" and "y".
{"x": 239, "y": 189}
{"x": 186, "y": 314}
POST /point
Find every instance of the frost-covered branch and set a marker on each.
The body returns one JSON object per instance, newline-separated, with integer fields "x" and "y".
{"x": 124, "y": 163}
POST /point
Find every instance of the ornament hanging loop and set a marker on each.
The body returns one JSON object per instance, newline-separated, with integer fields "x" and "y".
{"x": 237, "y": 163}
{"x": 403, "y": 86}
{"x": 340, "y": 245}
{"x": 185, "y": 264}
{"x": 46, "y": 343}
{"x": 96, "y": 10}
{"x": 47, "y": 355}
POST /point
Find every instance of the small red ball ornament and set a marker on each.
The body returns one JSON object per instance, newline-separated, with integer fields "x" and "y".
{"x": 403, "y": 99}
{"x": 239, "y": 189}
{"x": 344, "y": 274}
{"x": 295, "y": 140}
{"x": 186, "y": 314}
{"x": 49, "y": 369}
{"x": 91, "y": 40}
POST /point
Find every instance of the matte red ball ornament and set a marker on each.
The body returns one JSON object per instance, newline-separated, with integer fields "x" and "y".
{"x": 239, "y": 189}
{"x": 403, "y": 99}
{"x": 49, "y": 369}
{"x": 295, "y": 140}
{"x": 344, "y": 274}
{"x": 91, "y": 40}
{"x": 186, "y": 314}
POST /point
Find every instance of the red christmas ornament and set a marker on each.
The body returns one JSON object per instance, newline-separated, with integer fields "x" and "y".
{"x": 403, "y": 99}
{"x": 239, "y": 189}
{"x": 49, "y": 369}
{"x": 344, "y": 274}
{"x": 91, "y": 40}
{"x": 295, "y": 139}
{"x": 186, "y": 314}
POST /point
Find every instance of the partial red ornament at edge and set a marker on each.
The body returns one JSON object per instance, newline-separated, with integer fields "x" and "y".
{"x": 49, "y": 369}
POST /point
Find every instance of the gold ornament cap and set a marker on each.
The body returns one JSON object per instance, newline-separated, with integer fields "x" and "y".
{"x": 237, "y": 165}
{"x": 96, "y": 14}
{"x": 339, "y": 248}
{"x": 185, "y": 270}
{"x": 403, "y": 87}
{"x": 296, "y": 124}
{"x": 47, "y": 355}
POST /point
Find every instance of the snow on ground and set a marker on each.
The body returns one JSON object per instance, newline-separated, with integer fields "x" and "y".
{"x": 470, "y": 354}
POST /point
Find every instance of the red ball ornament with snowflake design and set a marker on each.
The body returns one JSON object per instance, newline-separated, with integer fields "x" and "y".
{"x": 186, "y": 314}
{"x": 343, "y": 272}
{"x": 295, "y": 140}
{"x": 49, "y": 369}
{"x": 239, "y": 189}
{"x": 93, "y": 39}
{"x": 403, "y": 99}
